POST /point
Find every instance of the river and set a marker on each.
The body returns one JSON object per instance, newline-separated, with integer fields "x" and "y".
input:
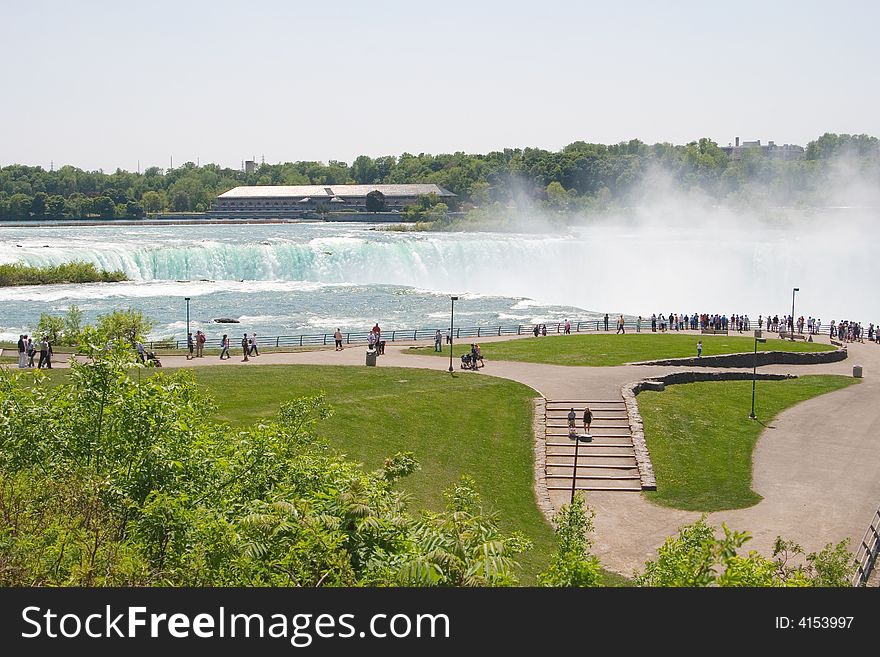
{"x": 286, "y": 279}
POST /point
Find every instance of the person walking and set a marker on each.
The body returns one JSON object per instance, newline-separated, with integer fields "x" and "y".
{"x": 224, "y": 347}
{"x": 22, "y": 352}
{"x": 31, "y": 352}
{"x": 567, "y": 327}
{"x": 588, "y": 419}
{"x": 244, "y": 348}
{"x": 338, "y": 338}
{"x": 606, "y": 321}
{"x": 572, "y": 417}
{"x": 620, "y": 328}
{"x": 253, "y": 348}
{"x": 639, "y": 324}
{"x": 190, "y": 346}
{"x": 699, "y": 348}
{"x": 201, "y": 338}
{"x": 544, "y": 330}
{"x": 438, "y": 341}
{"x": 45, "y": 354}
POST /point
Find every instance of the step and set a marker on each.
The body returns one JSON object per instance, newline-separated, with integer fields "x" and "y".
{"x": 582, "y": 402}
{"x": 593, "y": 462}
{"x": 598, "y": 487}
{"x": 598, "y": 476}
{"x": 621, "y": 423}
{"x": 594, "y": 444}
{"x": 593, "y": 455}
{"x": 588, "y": 466}
{"x": 602, "y": 432}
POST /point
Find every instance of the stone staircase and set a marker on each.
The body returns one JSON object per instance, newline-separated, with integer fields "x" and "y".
{"x": 608, "y": 462}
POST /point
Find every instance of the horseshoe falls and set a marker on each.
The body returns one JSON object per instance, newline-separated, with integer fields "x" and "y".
{"x": 285, "y": 279}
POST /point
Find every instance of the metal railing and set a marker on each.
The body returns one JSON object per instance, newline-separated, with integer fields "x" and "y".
{"x": 405, "y": 335}
{"x": 866, "y": 555}
{"x": 427, "y": 334}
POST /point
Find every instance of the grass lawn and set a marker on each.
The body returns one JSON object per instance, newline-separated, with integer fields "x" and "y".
{"x": 605, "y": 349}
{"x": 701, "y": 439}
{"x": 470, "y": 425}
{"x": 481, "y": 426}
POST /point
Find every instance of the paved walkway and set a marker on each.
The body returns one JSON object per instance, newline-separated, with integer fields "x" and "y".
{"x": 817, "y": 465}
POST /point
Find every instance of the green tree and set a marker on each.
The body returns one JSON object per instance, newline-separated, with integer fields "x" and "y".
{"x": 180, "y": 202}
{"x": 38, "y": 204}
{"x": 375, "y": 201}
{"x": 152, "y": 202}
{"x": 20, "y": 206}
{"x": 73, "y": 325}
{"x": 572, "y": 564}
{"x": 51, "y": 326}
{"x": 123, "y": 327}
{"x": 103, "y": 206}
{"x": 696, "y": 557}
{"x": 55, "y": 206}
{"x": 556, "y": 195}
{"x": 134, "y": 209}
{"x": 363, "y": 170}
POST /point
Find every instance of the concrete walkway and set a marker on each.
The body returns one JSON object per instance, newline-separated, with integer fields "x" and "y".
{"x": 817, "y": 465}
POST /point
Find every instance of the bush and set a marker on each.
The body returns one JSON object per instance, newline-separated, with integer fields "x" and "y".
{"x": 71, "y": 272}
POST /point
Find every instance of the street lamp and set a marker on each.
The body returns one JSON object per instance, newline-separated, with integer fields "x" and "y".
{"x": 752, "y": 415}
{"x": 187, "y": 320}
{"x": 451, "y": 324}
{"x": 797, "y": 289}
{"x": 574, "y": 473}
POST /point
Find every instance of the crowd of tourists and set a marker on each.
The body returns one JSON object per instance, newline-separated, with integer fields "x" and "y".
{"x": 28, "y": 350}
{"x": 697, "y": 322}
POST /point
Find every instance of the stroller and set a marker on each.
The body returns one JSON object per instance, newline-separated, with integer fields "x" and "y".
{"x": 468, "y": 362}
{"x": 153, "y": 360}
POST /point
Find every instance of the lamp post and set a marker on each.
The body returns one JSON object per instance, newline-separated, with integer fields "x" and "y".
{"x": 187, "y": 320}
{"x": 451, "y": 331}
{"x": 752, "y": 415}
{"x": 796, "y": 289}
{"x": 574, "y": 473}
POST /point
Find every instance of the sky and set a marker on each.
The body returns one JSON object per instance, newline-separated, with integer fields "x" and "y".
{"x": 102, "y": 85}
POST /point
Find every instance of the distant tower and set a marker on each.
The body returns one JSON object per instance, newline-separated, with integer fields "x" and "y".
{"x": 249, "y": 166}
{"x": 737, "y": 142}
{"x": 51, "y": 165}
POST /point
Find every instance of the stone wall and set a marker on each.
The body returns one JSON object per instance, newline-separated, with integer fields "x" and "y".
{"x": 539, "y": 425}
{"x": 629, "y": 392}
{"x": 748, "y": 359}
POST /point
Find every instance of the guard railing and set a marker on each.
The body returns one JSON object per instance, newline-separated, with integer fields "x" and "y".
{"x": 866, "y": 555}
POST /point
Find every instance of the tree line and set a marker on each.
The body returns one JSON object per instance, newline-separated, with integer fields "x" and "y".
{"x": 580, "y": 177}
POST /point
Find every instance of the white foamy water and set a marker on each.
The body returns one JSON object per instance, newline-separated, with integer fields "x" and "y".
{"x": 301, "y": 278}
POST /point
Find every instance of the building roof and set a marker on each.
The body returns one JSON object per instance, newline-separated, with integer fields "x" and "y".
{"x": 329, "y": 191}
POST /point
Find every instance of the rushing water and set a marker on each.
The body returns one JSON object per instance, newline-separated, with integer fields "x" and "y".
{"x": 286, "y": 279}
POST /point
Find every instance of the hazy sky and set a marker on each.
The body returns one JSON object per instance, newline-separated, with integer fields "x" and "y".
{"x": 105, "y": 84}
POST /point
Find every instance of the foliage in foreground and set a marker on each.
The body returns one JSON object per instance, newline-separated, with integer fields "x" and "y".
{"x": 698, "y": 557}
{"x": 118, "y": 479}
{"x": 18, "y": 273}
{"x": 118, "y": 327}
{"x": 572, "y": 564}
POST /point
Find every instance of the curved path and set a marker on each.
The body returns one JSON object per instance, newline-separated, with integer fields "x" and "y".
{"x": 817, "y": 465}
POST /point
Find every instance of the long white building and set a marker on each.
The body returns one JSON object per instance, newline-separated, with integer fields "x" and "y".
{"x": 287, "y": 199}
